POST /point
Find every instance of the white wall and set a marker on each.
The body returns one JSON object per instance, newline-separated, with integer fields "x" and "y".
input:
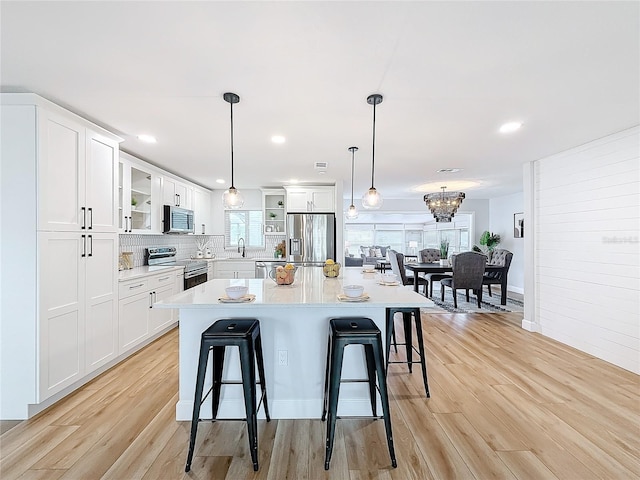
{"x": 501, "y": 212}
{"x": 586, "y": 220}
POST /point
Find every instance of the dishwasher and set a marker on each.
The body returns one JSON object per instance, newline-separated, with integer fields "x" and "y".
{"x": 263, "y": 267}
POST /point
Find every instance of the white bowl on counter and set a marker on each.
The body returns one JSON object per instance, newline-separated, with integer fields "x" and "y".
{"x": 353, "y": 291}
{"x": 236, "y": 291}
{"x": 368, "y": 267}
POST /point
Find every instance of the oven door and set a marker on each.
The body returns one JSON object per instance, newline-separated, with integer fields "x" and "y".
{"x": 197, "y": 279}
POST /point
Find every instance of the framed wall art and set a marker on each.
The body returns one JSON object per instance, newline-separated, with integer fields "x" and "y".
{"x": 518, "y": 225}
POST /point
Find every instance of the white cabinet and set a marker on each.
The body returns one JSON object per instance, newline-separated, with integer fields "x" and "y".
{"x": 234, "y": 269}
{"x": 78, "y": 313}
{"x": 137, "y": 320}
{"x": 310, "y": 199}
{"x": 210, "y": 269}
{"x": 62, "y": 299}
{"x": 273, "y": 201}
{"x": 202, "y": 212}
{"x": 176, "y": 193}
{"x": 138, "y": 193}
{"x": 76, "y": 174}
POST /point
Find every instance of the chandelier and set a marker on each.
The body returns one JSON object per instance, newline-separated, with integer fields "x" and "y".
{"x": 443, "y": 205}
{"x": 232, "y": 198}
{"x": 372, "y": 200}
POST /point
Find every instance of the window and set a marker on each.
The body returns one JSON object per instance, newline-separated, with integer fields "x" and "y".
{"x": 246, "y": 224}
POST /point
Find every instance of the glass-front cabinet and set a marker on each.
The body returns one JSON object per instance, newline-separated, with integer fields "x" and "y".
{"x": 138, "y": 208}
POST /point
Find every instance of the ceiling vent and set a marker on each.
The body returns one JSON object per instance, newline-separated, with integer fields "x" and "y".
{"x": 321, "y": 165}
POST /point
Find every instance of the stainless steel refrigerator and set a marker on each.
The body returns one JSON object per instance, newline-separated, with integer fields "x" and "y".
{"x": 311, "y": 238}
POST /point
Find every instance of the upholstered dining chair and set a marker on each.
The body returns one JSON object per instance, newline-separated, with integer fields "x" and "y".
{"x": 502, "y": 258}
{"x": 468, "y": 271}
{"x": 397, "y": 266}
{"x": 432, "y": 255}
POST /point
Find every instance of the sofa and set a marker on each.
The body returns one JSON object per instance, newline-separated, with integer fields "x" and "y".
{"x": 370, "y": 255}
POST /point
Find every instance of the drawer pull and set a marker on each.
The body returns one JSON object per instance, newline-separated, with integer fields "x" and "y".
{"x": 163, "y": 278}
{"x": 136, "y": 286}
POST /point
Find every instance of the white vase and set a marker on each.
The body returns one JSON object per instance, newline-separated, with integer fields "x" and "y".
{"x": 444, "y": 262}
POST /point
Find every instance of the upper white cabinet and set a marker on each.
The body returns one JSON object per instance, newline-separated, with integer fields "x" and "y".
{"x": 273, "y": 201}
{"x": 202, "y": 212}
{"x": 176, "y": 193}
{"x": 139, "y": 191}
{"x": 310, "y": 199}
{"x": 77, "y": 183}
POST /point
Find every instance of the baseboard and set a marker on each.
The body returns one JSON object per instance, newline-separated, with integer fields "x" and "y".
{"x": 519, "y": 290}
{"x": 530, "y": 326}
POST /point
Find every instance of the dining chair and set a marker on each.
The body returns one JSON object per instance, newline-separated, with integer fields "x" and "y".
{"x": 468, "y": 271}
{"x": 397, "y": 266}
{"x": 432, "y": 255}
{"x": 502, "y": 258}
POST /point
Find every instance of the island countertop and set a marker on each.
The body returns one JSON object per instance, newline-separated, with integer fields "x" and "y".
{"x": 294, "y": 322}
{"x": 310, "y": 288}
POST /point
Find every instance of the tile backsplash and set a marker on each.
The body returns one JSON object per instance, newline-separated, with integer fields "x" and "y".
{"x": 186, "y": 246}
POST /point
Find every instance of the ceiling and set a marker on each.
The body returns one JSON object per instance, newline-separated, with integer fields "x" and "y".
{"x": 450, "y": 72}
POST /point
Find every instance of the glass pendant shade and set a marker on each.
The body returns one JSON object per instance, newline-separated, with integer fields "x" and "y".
{"x": 372, "y": 200}
{"x": 352, "y": 213}
{"x": 232, "y": 199}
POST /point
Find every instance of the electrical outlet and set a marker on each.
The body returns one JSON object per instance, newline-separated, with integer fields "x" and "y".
{"x": 283, "y": 358}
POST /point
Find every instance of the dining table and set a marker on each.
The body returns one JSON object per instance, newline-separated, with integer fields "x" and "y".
{"x": 418, "y": 268}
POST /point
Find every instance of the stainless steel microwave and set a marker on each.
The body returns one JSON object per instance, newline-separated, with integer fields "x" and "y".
{"x": 178, "y": 220}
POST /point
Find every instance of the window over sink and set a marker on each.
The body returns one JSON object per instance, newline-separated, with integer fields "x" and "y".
{"x": 246, "y": 224}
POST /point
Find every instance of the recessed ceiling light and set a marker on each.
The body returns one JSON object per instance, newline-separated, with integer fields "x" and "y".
{"x": 449, "y": 170}
{"x": 278, "y": 139}
{"x": 293, "y": 180}
{"x": 510, "y": 127}
{"x": 220, "y": 180}
{"x": 147, "y": 138}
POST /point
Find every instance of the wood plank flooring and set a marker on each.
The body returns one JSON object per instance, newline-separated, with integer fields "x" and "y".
{"x": 505, "y": 403}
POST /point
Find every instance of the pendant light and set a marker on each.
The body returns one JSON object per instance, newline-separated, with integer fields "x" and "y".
{"x": 372, "y": 200}
{"x": 352, "y": 213}
{"x": 232, "y": 198}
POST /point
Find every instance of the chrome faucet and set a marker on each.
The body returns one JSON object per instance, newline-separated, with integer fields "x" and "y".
{"x": 242, "y": 246}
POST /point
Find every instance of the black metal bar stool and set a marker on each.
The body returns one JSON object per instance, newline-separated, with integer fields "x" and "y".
{"x": 245, "y": 334}
{"x": 354, "y": 331}
{"x": 407, "y": 312}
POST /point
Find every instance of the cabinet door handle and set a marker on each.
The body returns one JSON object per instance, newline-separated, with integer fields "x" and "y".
{"x": 131, "y": 287}
{"x": 84, "y": 218}
{"x": 203, "y": 229}
{"x": 90, "y": 245}
{"x": 90, "y": 218}
{"x": 130, "y": 224}
{"x": 150, "y": 299}
{"x": 177, "y": 199}
{"x": 84, "y": 246}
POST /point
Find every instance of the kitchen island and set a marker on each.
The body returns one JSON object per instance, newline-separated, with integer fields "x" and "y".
{"x": 294, "y": 321}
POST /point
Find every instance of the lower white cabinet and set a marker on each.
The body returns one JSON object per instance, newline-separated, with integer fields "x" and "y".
{"x": 234, "y": 269}
{"x": 78, "y": 307}
{"x": 137, "y": 320}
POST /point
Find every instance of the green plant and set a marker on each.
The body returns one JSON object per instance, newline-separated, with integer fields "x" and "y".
{"x": 489, "y": 240}
{"x": 272, "y": 215}
{"x": 444, "y": 249}
{"x": 134, "y": 201}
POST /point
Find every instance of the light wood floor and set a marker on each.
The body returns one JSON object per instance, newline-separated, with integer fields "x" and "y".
{"x": 505, "y": 403}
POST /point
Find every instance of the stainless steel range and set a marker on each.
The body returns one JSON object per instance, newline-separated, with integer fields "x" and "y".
{"x": 195, "y": 271}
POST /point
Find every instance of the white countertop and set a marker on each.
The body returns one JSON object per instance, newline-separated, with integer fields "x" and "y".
{"x": 310, "y": 288}
{"x": 137, "y": 272}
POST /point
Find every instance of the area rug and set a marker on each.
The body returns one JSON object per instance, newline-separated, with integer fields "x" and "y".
{"x": 489, "y": 304}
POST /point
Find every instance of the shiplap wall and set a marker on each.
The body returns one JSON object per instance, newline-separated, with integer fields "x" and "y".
{"x": 587, "y": 255}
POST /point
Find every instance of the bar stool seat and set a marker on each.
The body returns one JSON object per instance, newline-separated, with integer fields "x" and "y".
{"x": 245, "y": 334}
{"x": 354, "y": 331}
{"x": 407, "y": 313}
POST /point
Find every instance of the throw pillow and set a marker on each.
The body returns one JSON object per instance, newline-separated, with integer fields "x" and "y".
{"x": 378, "y": 252}
{"x": 372, "y": 252}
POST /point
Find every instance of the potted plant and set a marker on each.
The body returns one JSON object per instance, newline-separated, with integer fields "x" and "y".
{"x": 272, "y": 215}
{"x": 134, "y": 202}
{"x": 489, "y": 241}
{"x": 444, "y": 252}
{"x": 280, "y": 203}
